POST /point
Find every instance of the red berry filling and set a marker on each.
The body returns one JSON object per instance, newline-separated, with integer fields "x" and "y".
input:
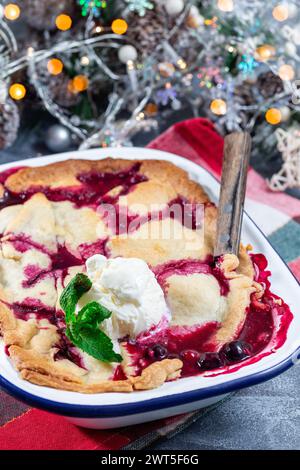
{"x": 194, "y": 346}
{"x": 94, "y": 186}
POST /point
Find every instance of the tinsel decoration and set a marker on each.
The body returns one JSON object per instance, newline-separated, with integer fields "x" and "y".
{"x": 9, "y": 123}
{"x": 269, "y": 84}
{"x": 41, "y": 15}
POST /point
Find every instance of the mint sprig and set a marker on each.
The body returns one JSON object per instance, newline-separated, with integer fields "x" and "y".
{"x": 78, "y": 286}
{"x": 83, "y": 328}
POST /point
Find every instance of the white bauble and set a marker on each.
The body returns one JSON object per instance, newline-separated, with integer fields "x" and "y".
{"x": 127, "y": 53}
{"x": 176, "y": 105}
{"x": 291, "y": 48}
{"x": 174, "y": 7}
{"x": 293, "y": 10}
{"x": 285, "y": 113}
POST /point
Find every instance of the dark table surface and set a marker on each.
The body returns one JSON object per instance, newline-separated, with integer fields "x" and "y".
{"x": 266, "y": 416}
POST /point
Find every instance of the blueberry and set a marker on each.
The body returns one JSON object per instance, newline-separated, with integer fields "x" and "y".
{"x": 158, "y": 352}
{"x": 209, "y": 360}
{"x": 236, "y": 351}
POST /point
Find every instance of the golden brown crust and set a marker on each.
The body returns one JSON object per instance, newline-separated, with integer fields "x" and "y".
{"x": 166, "y": 173}
{"x": 40, "y": 371}
{"x": 32, "y": 343}
{"x": 241, "y": 287}
{"x": 156, "y": 374}
{"x": 64, "y": 174}
{"x": 61, "y": 174}
{"x": 58, "y": 383}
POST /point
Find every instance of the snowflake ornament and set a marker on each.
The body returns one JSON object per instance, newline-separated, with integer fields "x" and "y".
{"x": 166, "y": 95}
{"x": 289, "y": 146}
{"x": 139, "y": 6}
{"x": 247, "y": 64}
{"x": 93, "y": 7}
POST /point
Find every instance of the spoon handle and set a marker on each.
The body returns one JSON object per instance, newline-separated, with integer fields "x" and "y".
{"x": 237, "y": 147}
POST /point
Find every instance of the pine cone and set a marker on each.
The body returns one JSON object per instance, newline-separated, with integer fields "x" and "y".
{"x": 244, "y": 94}
{"x": 148, "y": 31}
{"x": 58, "y": 86}
{"x": 60, "y": 92}
{"x": 9, "y": 123}
{"x": 269, "y": 84}
{"x": 41, "y": 14}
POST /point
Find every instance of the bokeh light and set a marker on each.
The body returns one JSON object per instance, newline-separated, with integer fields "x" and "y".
{"x": 265, "y": 52}
{"x": 119, "y": 26}
{"x": 218, "y": 107}
{"x": 79, "y": 83}
{"x": 286, "y": 72}
{"x": 273, "y": 116}
{"x": 55, "y": 66}
{"x": 17, "y": 91}
{"x": 63, "y": 22}
{"x": 12, "y": 11}
{"x": 225, "y": 5}
{"x": 281, "y": 12}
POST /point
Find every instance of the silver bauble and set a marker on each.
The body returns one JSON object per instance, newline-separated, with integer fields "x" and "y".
{"x": 58, "y": 138}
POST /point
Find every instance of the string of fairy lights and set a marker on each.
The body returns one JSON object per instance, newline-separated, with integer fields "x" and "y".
{"x": 79, "y": 83}
{"x": 234, "y": 61}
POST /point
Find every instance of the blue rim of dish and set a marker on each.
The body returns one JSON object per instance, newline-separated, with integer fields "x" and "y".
{"x": 128, "y": 409}
{"x": 152, "y": 404}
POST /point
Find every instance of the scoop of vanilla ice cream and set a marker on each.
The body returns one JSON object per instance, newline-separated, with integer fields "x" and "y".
{"x": 129, "y": 289}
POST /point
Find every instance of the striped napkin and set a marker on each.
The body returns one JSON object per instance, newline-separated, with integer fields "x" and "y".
{"x": 277, "y": 214}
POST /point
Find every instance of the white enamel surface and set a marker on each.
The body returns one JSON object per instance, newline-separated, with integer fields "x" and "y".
{"x": 118, "y": 422}
{"x": 283, "y": 284}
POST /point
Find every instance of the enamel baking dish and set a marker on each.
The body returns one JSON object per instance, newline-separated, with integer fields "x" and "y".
{"x": 110, "y": 410}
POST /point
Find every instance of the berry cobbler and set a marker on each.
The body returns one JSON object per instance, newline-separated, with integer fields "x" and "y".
{"x": 108, "y": 281}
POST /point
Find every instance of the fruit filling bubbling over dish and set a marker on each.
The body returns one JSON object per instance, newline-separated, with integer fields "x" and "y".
{"x": 191, "y": 344}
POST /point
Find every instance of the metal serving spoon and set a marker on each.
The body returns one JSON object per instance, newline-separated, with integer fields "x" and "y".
{"x": 237, "y": 147}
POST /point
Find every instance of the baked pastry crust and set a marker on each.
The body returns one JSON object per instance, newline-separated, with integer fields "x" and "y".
{"x": 30, "y": 269}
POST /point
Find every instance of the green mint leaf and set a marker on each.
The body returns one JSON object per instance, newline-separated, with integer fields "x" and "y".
{"x": 78, "y": 286}
{"x": 93, "y": 314}
{"x": 94, "y": 342}
{"x": 83, "y": 328}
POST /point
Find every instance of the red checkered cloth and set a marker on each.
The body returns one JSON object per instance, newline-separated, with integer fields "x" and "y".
{"x": 24, "y": 428}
